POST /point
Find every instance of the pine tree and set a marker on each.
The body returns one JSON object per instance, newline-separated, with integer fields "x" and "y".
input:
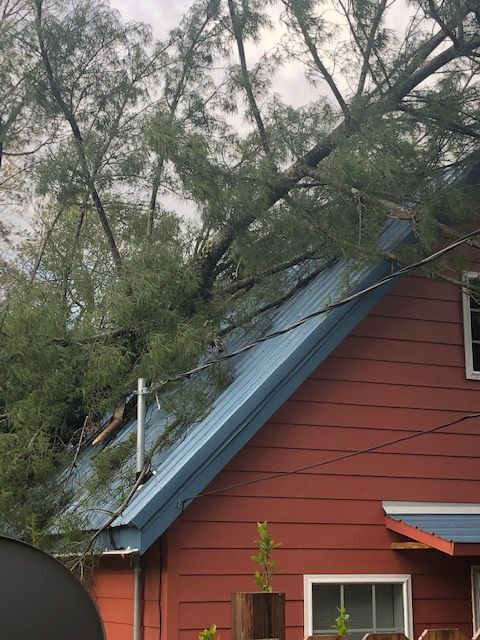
{"x": 104, "y": 131}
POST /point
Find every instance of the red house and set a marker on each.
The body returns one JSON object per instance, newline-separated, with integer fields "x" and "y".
{"x": 355, "y": 435}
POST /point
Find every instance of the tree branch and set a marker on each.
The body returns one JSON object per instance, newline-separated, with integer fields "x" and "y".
{"x": 326, "y": 75}
{"x": 301, "y": 282}
{"x": 455, "y": 127}
{"x": 250, "y": 281}
{"x": 160, "y": 160}
{"x": 389, "y": 101}
{"x": 237, "y": 32}
{"x": 43, "y": 246}
{"x": 444, "y": 27}
{"x": 369, "y": 48}
{"x": 79, "y": 145}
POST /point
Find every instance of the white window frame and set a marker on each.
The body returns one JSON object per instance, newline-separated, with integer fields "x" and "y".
{"x": 471, "y": 374}
{"x": 476, "y": 597}
{"x": 365, "y": 578}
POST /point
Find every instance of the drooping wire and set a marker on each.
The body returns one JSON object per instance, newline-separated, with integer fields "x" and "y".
{"x": 322, "y": 463}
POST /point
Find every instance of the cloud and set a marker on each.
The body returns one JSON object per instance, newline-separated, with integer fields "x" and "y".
{"x": 161, "y": 15}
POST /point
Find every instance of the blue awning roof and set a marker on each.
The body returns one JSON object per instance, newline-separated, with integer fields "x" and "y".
{"x": 448, "y": 527}
{"x": 453, "y": 527}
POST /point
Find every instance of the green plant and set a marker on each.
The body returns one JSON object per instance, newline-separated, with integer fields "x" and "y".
{"x": 263, "y": 558}
{"x": 342, "y": 624}
{"x": 209, "y": 634}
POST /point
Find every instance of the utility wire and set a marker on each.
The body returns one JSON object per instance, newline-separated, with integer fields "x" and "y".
{"x": 329, "y": 307}
{"x": 345, "y": 456}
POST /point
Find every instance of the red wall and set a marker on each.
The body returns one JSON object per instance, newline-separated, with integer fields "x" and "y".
{"x": 112, "y": 590}
{"x": 402, "y": 369}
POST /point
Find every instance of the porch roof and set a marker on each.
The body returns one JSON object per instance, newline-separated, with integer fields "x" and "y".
{"x": 453, "y": 528}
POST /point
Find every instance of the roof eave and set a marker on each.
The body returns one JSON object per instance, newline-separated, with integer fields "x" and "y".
{"x": 432, "y": 540}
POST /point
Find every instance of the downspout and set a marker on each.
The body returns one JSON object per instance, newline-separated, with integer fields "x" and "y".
{"x": 137, "y": 599}
{"x": 140, "y": 462}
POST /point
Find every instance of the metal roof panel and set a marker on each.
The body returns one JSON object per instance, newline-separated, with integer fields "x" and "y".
{"x": 262, "y": 378}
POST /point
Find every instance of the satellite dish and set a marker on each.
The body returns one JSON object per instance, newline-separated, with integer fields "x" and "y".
{"x": 41, "y": 600}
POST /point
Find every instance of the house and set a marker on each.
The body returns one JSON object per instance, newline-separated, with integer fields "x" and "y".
{"x": 300, "y": 437}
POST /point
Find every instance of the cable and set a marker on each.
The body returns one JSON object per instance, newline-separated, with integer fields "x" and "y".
{"x": 345, "y": 456}
{"x": 334, "y": 305}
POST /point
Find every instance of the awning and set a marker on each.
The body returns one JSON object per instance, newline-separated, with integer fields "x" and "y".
{"x": 453, "y": 528}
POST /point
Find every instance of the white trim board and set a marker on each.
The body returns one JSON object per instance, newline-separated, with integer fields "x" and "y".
{"x": 394, "y": 507}
{"x": 470, "y": 372}
{"x": 369, "y": 578}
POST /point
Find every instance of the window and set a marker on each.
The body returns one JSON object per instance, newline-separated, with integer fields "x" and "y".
{"x": 380, "y": 603}
{"x": 471, "y": 328}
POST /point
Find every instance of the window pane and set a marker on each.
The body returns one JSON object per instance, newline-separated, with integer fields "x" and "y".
{"x": 389, "y": 607}
{"x": 326, "y": 599}
{"x": 358, "y": 603}
{"x": 476, "y": 356}
{"x": 474, "y": 296}
{"x": 371, "y": 607}
{"x": 475, "y": 321}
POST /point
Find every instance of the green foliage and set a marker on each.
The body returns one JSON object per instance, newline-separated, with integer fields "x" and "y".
{"x": 142, "y": 131}
{"x": 342, "y": 621}
{"x": 107, "y": 463}
{"x": 209, "y": 634}
{"x": 265, "y": 544}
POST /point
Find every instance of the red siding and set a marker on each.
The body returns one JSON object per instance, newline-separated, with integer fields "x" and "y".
{"x": 401, "y": 370}
{"x": 113, "y": 593}
{"x": 112, "y": 590}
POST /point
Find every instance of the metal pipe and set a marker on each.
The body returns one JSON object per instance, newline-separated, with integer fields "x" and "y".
{"x": 137, "y": 599}
{"x": 141, "y": 405}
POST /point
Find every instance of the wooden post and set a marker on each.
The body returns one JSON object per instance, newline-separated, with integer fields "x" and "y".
{"x": 443, "y": 634}
{"x": 258, "y": 616}
{"x": 385, "y": 636}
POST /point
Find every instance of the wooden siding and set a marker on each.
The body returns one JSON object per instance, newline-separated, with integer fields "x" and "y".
{"x": 112, "y": 590}
{"x": 113, "y": 593}
{"x": 401, "y": 370}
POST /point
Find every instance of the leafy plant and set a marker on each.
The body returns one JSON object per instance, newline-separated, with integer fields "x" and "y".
{"x": 342, "y": 624}
{"x": 263, "y": 558}
{"x": 209, "y": 634}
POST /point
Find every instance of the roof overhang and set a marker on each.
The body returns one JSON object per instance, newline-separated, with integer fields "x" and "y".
{"x": 453, "y": 528}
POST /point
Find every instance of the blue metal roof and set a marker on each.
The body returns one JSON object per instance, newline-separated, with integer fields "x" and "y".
{"x": 454, "y": 527}
{"x": 263, "y": 378}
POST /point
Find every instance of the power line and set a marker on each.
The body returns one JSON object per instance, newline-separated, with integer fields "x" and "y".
{"x": 334, "y": 305}
{"x": 345, "y": 456}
